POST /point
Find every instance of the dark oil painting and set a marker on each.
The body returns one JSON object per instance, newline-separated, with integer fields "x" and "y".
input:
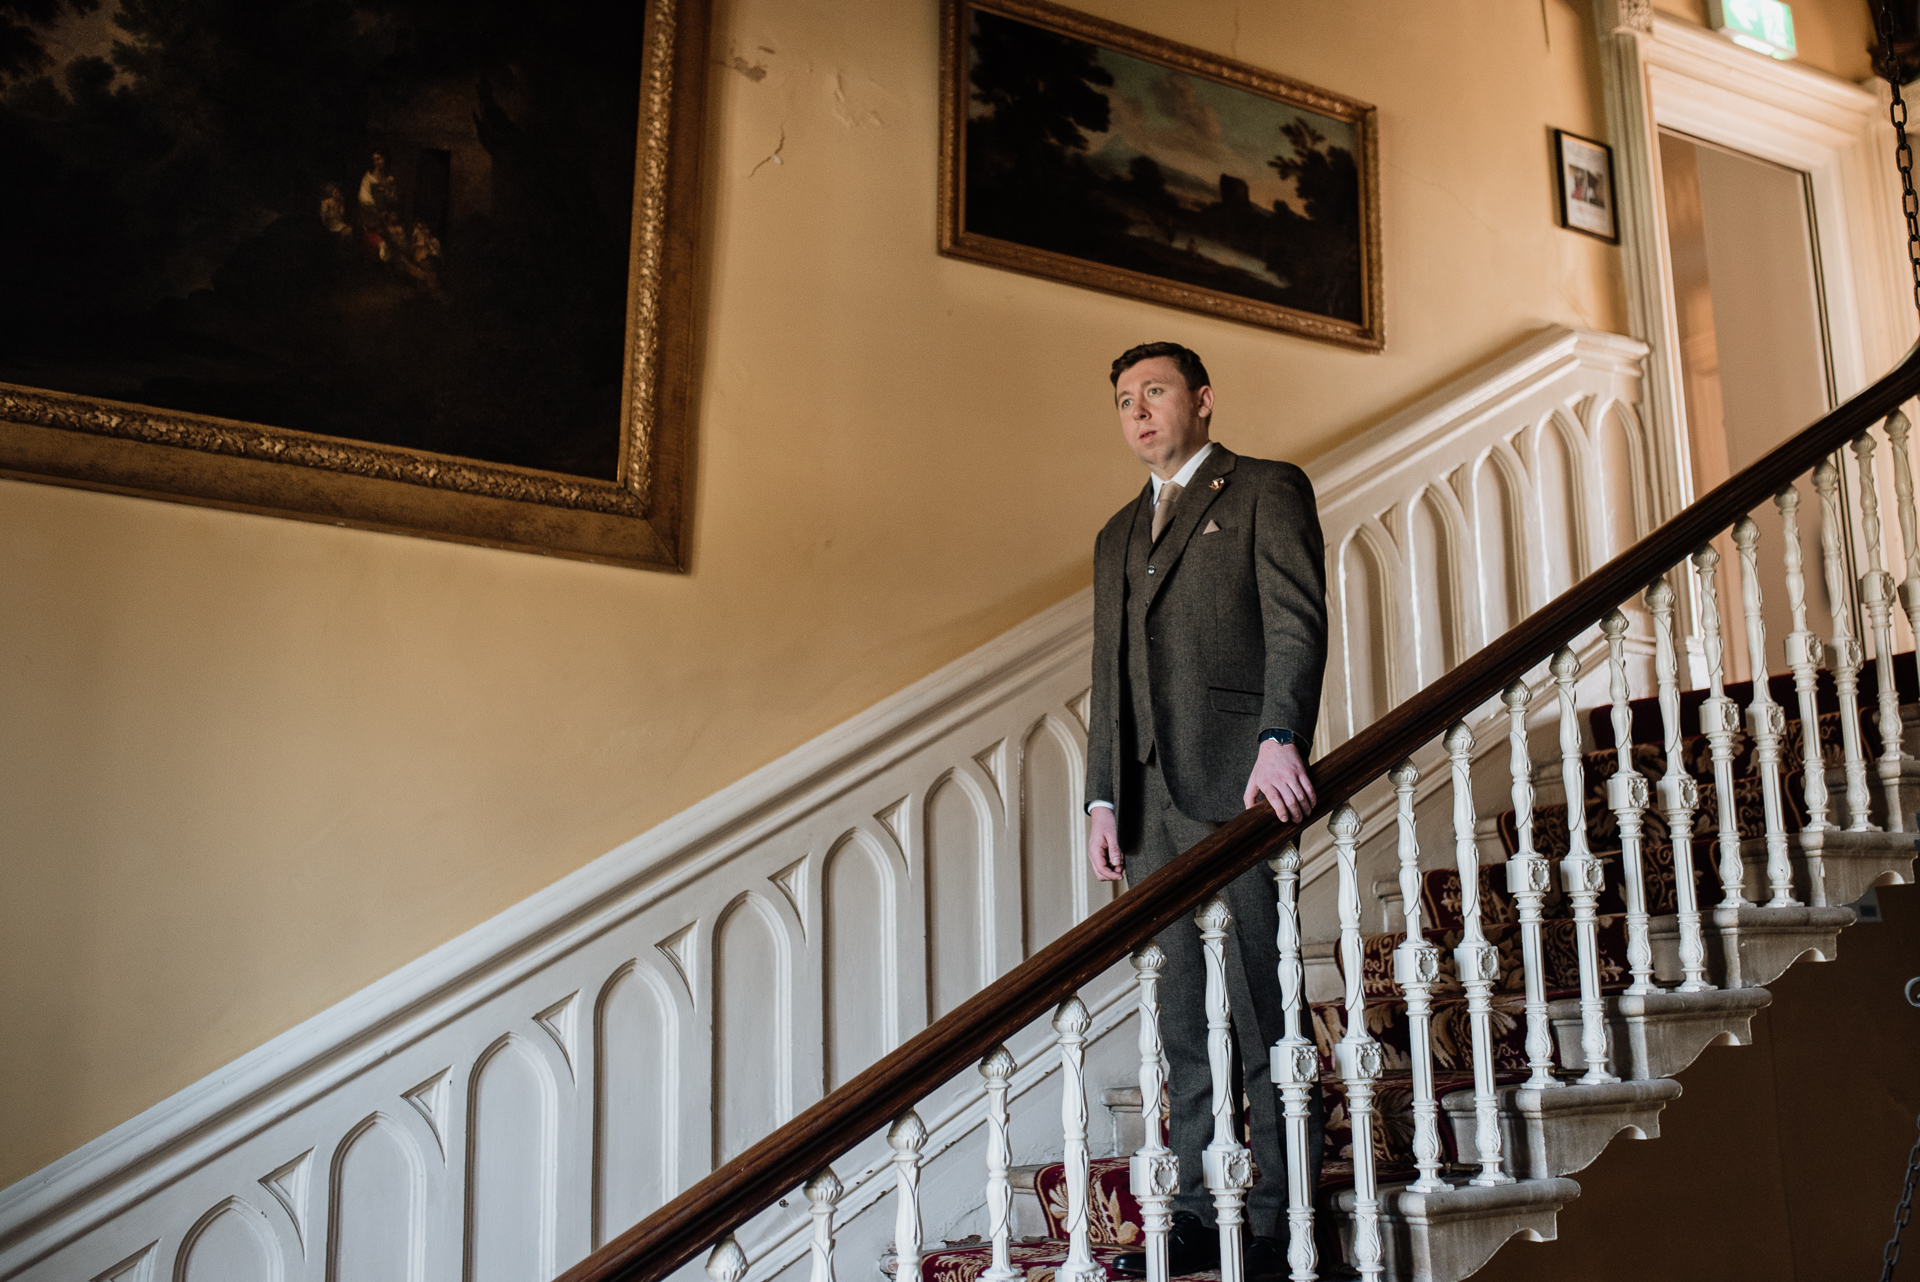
{"x": 1096, "y": 153}
{"x": 404, "y": 222}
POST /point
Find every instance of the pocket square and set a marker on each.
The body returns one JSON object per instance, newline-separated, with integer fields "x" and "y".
{"x": 1213, "y": 527}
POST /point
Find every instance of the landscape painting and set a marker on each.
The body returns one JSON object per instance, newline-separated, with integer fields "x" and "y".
{"x": 391, "y": 239}
{"x": 1095, "y": 154}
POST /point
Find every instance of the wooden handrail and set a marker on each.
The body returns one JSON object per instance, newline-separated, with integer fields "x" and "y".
{"x": 724, "y": 1200}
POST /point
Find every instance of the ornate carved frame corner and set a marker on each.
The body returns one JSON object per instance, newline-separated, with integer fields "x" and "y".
{"x": 639, "y": 519}
{"x": 957, "y": 242}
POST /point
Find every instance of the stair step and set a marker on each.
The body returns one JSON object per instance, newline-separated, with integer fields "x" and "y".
{"x": 1449, "y": 1235}
{"x": 1547, "y": 1133}
{"x": 1655, "y": 1035}
{"x": 1851, "y": 862}
{"x": 1771, "y": 939}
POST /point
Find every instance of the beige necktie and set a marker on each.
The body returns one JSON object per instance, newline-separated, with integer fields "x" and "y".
{"x": 1163, "y": 510}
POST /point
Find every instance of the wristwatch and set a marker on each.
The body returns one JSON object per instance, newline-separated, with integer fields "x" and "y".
{"x": 1278, "y": 736}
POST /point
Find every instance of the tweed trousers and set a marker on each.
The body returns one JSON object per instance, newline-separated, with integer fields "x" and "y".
{"x": 1152, "y": 833}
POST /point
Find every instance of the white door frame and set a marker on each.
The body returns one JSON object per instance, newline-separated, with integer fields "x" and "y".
{"x": 1660, "y": 72}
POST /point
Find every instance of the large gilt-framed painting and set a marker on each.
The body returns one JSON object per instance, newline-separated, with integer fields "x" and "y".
{"x": 1087, "y": 152}
{"x": 408, "y": 265}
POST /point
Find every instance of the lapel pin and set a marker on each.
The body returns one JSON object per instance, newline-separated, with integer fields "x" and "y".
{"x": 1217, "y": 483}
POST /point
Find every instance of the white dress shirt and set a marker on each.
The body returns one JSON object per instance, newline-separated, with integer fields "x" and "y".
{"x": 1182, "y": 478}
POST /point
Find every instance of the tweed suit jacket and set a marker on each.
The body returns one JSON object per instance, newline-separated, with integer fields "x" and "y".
{"x": 1237, "y": 629}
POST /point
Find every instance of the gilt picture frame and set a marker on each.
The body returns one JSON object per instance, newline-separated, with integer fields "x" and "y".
{"x": 421, "y": 401}
{"x": 1151, "y": 169}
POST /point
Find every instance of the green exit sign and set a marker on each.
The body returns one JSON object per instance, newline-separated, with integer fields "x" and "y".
{"x": 1765, "y": 26}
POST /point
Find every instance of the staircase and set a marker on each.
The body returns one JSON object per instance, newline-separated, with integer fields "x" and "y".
{"x": 1529, "y": 1011}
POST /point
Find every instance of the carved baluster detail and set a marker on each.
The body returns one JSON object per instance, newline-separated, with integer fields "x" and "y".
{"x": 1679, "y": 794}
{"x": 1154, "y": 1170}
{"x": 1582, "y": 875}
{"x": 822, "y": 1191}
{"x": 1357, "y": 1053}
{"x": 997, "y": 1069}
{"x": 1910, "y": 538}
{"x": 1627, "y": 798}
{"x": 907, "y": 1137}
{"x": 727, "y": 1263}
{"x": 1477, "y": 960}
{"x": 1528, "y": 879}
{"x": 1416, "y": 965}
{"x": 1845, "y": 658}
{"x": 1070, "y": 1021}
{"x": 1766, "y": 720}
{"x": 1296, "y": 1068}
{"x": 1225, "y": 1164}
{"x": 1876, "y": 597}
{"x": 1803, "y": 659}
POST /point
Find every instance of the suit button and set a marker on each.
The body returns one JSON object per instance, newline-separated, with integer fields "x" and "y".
{"x": 1149, "y": 569}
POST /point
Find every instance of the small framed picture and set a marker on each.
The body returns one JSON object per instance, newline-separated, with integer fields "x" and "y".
{"x": 1586, "y": 185}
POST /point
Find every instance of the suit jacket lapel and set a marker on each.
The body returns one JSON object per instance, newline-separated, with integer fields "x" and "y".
{"x": 1187, "y": 515}
{"x": 1110, "y": 571}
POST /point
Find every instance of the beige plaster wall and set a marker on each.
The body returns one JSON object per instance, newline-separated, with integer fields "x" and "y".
{"x": 248, "y": 766}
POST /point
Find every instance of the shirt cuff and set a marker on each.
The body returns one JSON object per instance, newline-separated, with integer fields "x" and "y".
{"x": 1097, "y": 804}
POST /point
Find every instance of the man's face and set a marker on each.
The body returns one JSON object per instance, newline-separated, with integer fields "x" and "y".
{"x": 1165, "y": 421}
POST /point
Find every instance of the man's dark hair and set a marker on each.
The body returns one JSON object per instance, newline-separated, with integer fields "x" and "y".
{"x": 1184, "y": 359}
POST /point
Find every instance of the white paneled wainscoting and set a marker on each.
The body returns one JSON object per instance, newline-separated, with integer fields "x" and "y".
{"x": 510, "y": 1101}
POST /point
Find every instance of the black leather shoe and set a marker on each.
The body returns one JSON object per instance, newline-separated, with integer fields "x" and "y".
{"x": 1266, "y": 1259}
{"x": 1193, "y": 1246}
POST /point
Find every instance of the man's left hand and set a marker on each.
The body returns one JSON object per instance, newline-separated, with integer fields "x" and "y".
{"x": 1280, "y": 776}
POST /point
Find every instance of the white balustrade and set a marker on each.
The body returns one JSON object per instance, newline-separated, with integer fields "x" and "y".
{"x": 1225, "y": 1164}
{"x": 823, "y": 1191}
{"x": 996, "y": 1068}
{"x": 1803, "y": 660}
{"x": 1357, "y": 1053}
{"x": 1582, "y": 875}
{"x": 727, "y": 1262}
{"x": 1627, "y": 798}
{"x": 1845, "y": 657}
{"x": 907, "y": 1136}
{"x": 1529, "y": 877}
{"x": 1477, "y": 960}
{"x": 1876, "y": 598}
{"x": 1909, "y": 536}
{"x": 1766, "y": 719}
{"x": 1071, "y": 1021}
{"x": 1154, "y": 1170}
{"x": 1679, "y": 794}
{"x": 1296, "y": 1068}
{"x": 1720, "y": 720}
{"x": 1416, "y": 965}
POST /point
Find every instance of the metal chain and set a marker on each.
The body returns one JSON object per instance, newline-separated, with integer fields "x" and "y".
{"x": 1903, "y": 150}
{"x": 1901, "y": 1214}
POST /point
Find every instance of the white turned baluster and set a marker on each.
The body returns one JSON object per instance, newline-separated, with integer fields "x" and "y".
{"x": 1154, "y": 1170}
{"x": 1845, "y": 659}
{"x": 822, "y": 1191}
{"x": 997, "y": 1069}
{"x": 1720, "y": 720}
{"x": 1416, "y": 964}
{"x": 1071, "y": 1021}
{"x": 1225, "y": 1163}
{"x": 1357, "y": 1053}
{"x": 1627, "y": 798}
{"x": 1876, "y": 596}
{"x": 1296, "y": 1068}
{"x": 1679, "y": 794}
{"x": 1477, "y": 960}
{"x": 1582, "y": 875}
{"x": 1528, "y": 879}
{"x": 1766, "y": 720}
{"x": 1803, "y": 659}
{"x": 727, "y": 1263}
{"x": 1910, "y": 537}
{"x": 907, "y": 1136}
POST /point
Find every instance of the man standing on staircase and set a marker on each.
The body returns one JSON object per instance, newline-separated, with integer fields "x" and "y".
{"x": 1209, "y": 640}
